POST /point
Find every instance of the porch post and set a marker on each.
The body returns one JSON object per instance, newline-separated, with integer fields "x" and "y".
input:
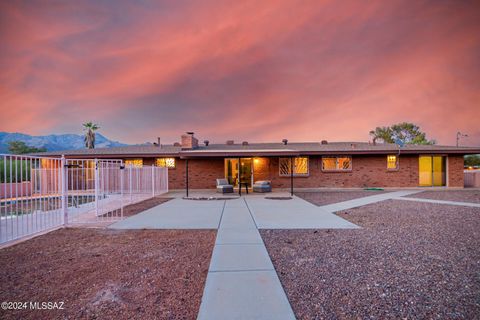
{"x": 186, "y": 174}
{"x": 239, "y": 177}
{"x": 291, "y": 175}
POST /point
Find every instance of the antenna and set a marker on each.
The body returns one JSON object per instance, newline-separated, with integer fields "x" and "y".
{"x": 461, "y": 135}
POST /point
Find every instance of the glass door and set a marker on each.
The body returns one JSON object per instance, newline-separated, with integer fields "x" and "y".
{"x": 246, "y": 171}
{"x": 239, "y": 170}
{"x": 432, "y": 171}
{"x": 231, "y": 171}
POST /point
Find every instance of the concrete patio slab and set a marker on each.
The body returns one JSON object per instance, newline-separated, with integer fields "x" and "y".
{"x": 240, "y": 257}
{"x": 238, "y": 236}
{"x": 294, "y": 214}
{"x": 244, "y": 295}
{"x": 176, "y": 214}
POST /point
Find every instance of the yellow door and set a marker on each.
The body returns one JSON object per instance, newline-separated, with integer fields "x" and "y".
{"x": 425, "y": 171}
{"x": 432, "y": 171}
{"x": 438, "y": 171}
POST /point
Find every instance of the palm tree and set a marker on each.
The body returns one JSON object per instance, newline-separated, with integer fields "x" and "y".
{"x": 90, "y": 135}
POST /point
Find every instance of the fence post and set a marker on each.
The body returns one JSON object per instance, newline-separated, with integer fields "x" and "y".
{"x": 63, "y": 173}
{"x": 153, "y": 181}
{"x": 96, "y": 187}
{"x": 130, "y": 181}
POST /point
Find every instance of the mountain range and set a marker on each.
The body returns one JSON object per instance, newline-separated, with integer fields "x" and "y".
{"x": 55, "y": 142}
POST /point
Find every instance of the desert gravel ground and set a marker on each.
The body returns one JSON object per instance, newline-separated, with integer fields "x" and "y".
{"x": 450, "y": 195}
{"x": 409, "y": 261}
{"x": 133, "y": 209}
{"x": 107, "y": 274}
{"x": 322, "y": 198}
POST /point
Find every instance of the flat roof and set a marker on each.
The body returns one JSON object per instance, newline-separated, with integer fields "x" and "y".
{"x": 263, "y": 149}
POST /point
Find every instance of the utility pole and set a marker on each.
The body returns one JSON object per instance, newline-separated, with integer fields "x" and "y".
{"x": 461, "y": 135}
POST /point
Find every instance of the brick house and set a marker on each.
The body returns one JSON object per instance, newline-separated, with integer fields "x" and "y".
{"x": 315, "y": 164}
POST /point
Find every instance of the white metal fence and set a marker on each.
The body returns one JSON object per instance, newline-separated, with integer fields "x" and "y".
{"x": 41, "y": 193}
{"x": 472, "y": 178}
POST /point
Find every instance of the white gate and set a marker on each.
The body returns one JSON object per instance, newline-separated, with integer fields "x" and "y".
{"x": 41, "y": 193}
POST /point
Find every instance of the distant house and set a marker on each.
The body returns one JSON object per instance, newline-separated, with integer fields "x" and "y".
{"x": 315, "y": 164}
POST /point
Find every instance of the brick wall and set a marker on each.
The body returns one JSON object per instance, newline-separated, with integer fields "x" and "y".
{"x": 202, "y": 173}
{"x": 455, "y": 171}
{"x": 367, "y": 171}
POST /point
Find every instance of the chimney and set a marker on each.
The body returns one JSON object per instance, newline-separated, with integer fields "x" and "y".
{"x": 189, "y": 141}
{"x": 206, "y": 142}
{"x": 324, "y": 142}
{"x": 230, "y": 142}
{"x": 285, "y": 141}
{"x": 157, "y": 144}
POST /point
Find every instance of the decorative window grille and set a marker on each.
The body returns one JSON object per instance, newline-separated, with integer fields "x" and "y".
{"x": 165, "y": 162}
{"x": 300, "y": 166}
{"x": 392, "y": 162}
{"x": 138, "y": 163}
{"x": 337, "y": 163}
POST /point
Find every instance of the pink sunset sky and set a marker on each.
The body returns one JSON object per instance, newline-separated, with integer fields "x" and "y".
{"x": 242, "y": 70}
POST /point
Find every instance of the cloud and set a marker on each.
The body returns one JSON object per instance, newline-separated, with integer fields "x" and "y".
{"x": 245, "y": 70}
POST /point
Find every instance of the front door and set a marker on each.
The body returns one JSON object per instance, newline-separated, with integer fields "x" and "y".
{"x": 239, "y": 170}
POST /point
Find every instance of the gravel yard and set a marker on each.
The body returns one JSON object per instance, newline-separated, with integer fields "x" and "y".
{"x": 450, "y": 195}
{"x": 322, "y": 198}
{"x": 133, "y": 209}
{"x": 411, "y": 260}
{"x": 106, "y": 274}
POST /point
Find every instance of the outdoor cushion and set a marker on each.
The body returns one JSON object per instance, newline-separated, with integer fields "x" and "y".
{"x": 262, "y": 186}
{"x": 223, "y": 186}
{"x": 222, "y": 182}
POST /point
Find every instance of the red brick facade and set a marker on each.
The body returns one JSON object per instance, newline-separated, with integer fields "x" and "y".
{"x": 455, "y": 171}
{"x": 367, "y": 171}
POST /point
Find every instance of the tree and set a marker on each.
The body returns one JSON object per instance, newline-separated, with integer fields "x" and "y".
{"x": 89, "y": 139}
{"x": 472, "y": 160}
{"x": 405, "y": 132}
{"x": 20, "y": 147}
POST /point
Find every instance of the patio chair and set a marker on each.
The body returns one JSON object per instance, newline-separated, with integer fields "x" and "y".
{"x": 223, "y": 186}
{"x": 262, "y": 186}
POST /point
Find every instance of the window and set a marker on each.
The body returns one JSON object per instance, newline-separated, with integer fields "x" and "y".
{"x": 337, "y": 163}
{"x": 134, "y": 163}
{"x": 300, "y": 166}
{"x": 392, "y": 162}
{"x": 165, "y": 162}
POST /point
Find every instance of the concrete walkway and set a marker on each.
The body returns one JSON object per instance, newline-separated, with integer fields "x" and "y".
{"x": 452, "y": 203}
{"x": 359, "y": 202}
{"x": 242, "y": 282}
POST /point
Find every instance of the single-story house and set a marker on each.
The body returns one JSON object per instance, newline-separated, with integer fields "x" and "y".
{"x": 321, "y": 164}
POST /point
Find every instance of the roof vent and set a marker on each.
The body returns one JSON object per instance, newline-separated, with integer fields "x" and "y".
{"x": 177, "y": 144}
{"x": 229, "y": 142}
{"x": 324, "y": 142}
{"x": 206, "y": 142}
{"x": 245, "y": 143}
{"x": 285, "y": 141}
